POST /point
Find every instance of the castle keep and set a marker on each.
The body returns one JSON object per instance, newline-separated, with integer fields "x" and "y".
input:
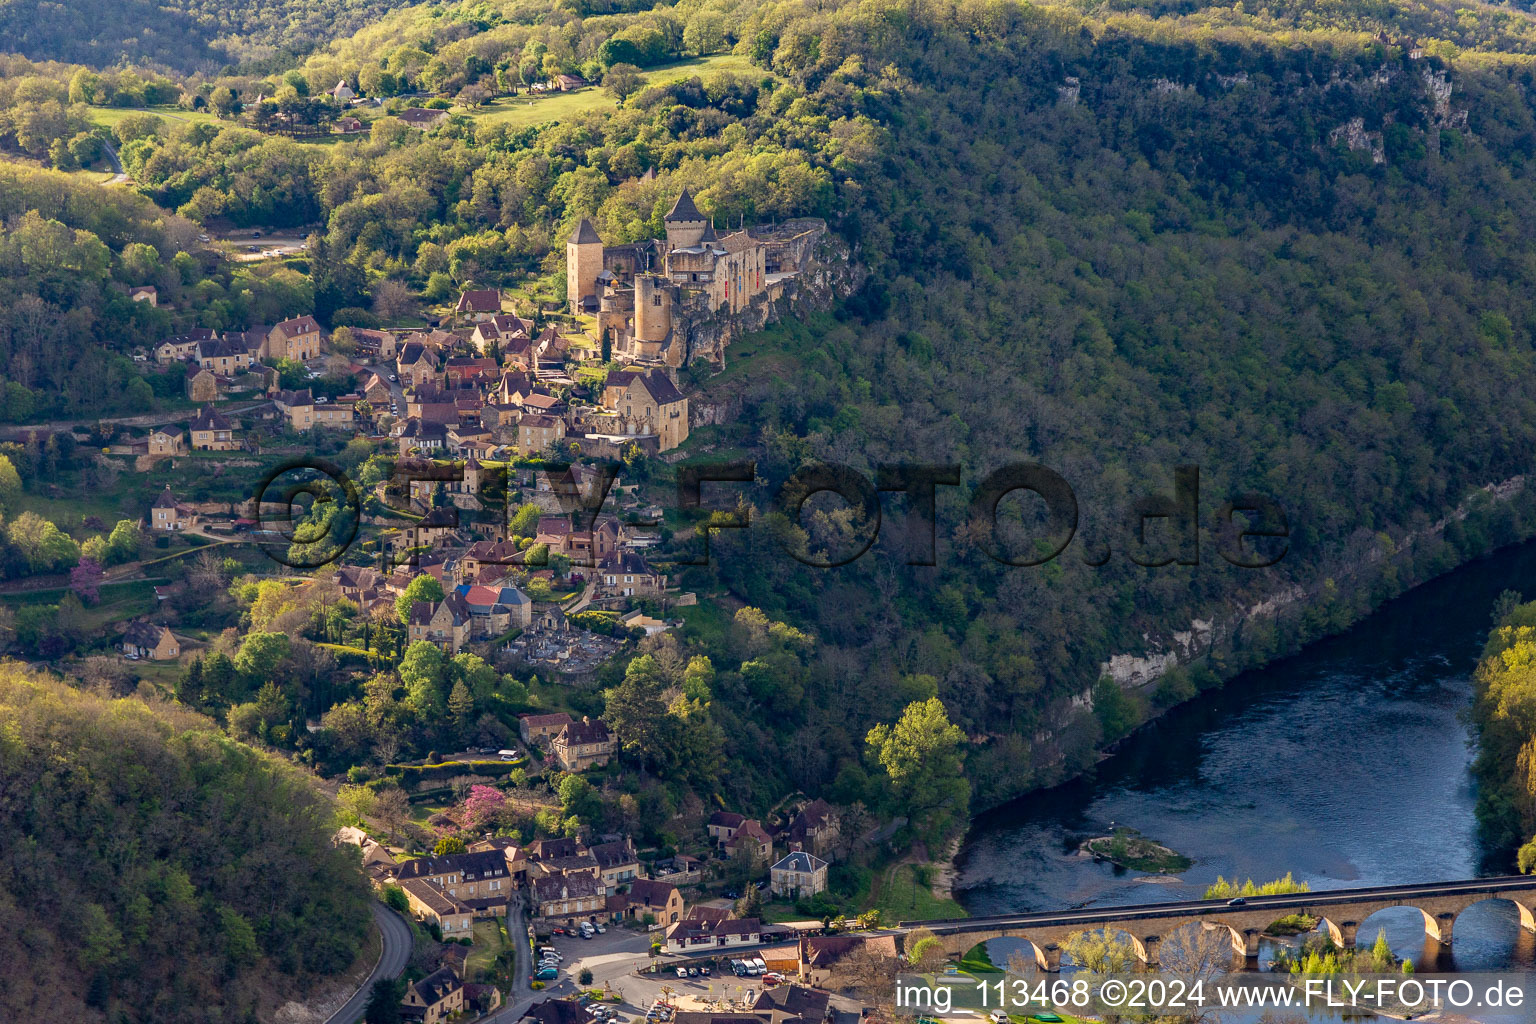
{"x": 671, "y": 300}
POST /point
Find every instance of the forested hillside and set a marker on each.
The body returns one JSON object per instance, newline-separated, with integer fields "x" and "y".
{"x": 153, "y": 870}
{"x": 1287, "y": 251}
{"x": 187, "y": 35}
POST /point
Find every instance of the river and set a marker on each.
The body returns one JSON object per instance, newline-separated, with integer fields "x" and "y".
{"x": 1346, "y": 765}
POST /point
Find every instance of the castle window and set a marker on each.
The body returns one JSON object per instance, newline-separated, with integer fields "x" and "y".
{"x": 656, "y": 299}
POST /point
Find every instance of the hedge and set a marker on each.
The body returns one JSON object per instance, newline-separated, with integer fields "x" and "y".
{"x": 450, "y": 769}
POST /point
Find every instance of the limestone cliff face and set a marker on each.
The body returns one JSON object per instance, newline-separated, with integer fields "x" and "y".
{"x": 1162, "y": 652}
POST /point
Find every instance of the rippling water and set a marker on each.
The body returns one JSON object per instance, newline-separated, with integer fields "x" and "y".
{"x": 1346, "y": 765}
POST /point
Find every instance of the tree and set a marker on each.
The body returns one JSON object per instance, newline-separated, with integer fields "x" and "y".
{"x": 422, "y": 670}
{"x": 1116, "y": 710}
{"x": 921, "y": 757}
{"x": 10, "y": 483}
{"x": 448, "y": 845}
{"x": 395, "y": 899}
{"x": 1099, "y": 953}
{"x": 461, "y": 703}
{"x": 392, "y": 807}
{"x": 622, "y": 81}
{"x": 585, "y": 977}
{"x": 423, "y": 588}
{"x": 392, "y": 299}
{"x": 384, "y": 1001}
{"x": 634, "y": 708}
{"x": 85, "y": 580}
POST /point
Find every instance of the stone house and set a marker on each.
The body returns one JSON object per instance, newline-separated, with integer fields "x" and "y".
{"x": 584, "y": 744}
{"x": 422, "y": 118}
{"x": 722, "y": 825}
{"x": 445, "y": 623}
{"x": 167, "y": 515}
{"x": 661, "y": 900}
{"x": 798, "y": 875}
{"x": 535, "y": 433}
{"x": 147, "y": 640}
{"x": 541, "y": 728}
{"x": 297, "y": 409}
{"x": 202, "y": 384}
{"x": 212, "y": 432}
{"x": 627, "y": 574}
{"x": 166, "y": 441}
{"x": 431, "y": 903}
{"x": 647, "y": 403}
{"x": 616, "y": 862}
{"x": 145, "y": 293}
{"x": 479, "y": 306}
{"x": 568, "y": 898}
{"x": 751, "y": 839}
{"x": 296, "y": 339}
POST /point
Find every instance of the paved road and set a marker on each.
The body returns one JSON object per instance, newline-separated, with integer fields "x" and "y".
{"x": 1285, "y": 901}
{"x": 397, "y": 950}
{"x": 118, "y": 177}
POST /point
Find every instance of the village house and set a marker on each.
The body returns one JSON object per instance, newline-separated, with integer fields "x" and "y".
{"x": 377, "y": 392}
{"x": 147, "y": 640}
{"x": 556, "y": 1011}
{"x": 478, "y": 306}
{"x": 432, "y": 904}
{"x": 349, "y": 126}
{"x": 481, "y": 881}
{"x": 487, "y": 560}
{"x": 296, "y": 339}
{"x": 582, "y": 745}
{"x": 820, "y": 956}
{"x": 416, "y": 365}
{"x": 374, "y": 345}
{"x": 422, "y": 118}
{"x": 202, "y": 384}
{"x": 145, "y": 293}
{"x": 297, "y": 409}
{"x": 646, "y": 403}
{"x": 166, "y": 441}
{"x": 541, "y": 728}
{"x": 338, "y": 415}
{"x": 567, "y": 898}
{"x": 815, "y": 828}
{"x": 722, "y": 825}
{"x": 422, "y": 436}
{"x": 792, "y": 1002}
{"x": 626, "y": 574}
{"x": 167, "y": 515}
{"x": 750, "y": 840}
{"x": 430, "y": 528}
{"x": 686, "y": 936}
{"x": 495, "y": 610}
{"x": 212, "y": 432}
{"x": 661, "y": 901}
{"x": 798, "y": 875}
{"x": 536, "y": 433}
{"x": 445, "y": 623}
{"x": 182, "y": 346}
{"x": 225, "y": 357}
{"x": 616, "y": 863}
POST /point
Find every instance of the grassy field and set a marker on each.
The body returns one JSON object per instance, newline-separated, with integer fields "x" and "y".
{"x": 110, "y": 116}
{"x": 900, "y": 896}
{"x": 488, "y": 942}
{"x": 538, "y": 108}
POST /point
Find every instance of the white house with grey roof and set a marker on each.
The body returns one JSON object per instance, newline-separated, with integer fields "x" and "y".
{"x": 798, "y": 875}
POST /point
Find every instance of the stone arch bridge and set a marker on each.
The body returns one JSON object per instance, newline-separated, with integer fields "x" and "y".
{"x": 1340, "y": 911}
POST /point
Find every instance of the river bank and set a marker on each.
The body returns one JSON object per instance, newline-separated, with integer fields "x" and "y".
{"x": 1347, "y": 763}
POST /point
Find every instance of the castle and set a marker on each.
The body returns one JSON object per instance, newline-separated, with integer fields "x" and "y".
{"x": 654, "y": 300}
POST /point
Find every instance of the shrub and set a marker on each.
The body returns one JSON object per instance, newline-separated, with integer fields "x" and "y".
{"x": 536, "y": 985}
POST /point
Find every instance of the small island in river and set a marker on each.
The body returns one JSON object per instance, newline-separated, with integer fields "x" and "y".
{"x": 1128, "y": 848}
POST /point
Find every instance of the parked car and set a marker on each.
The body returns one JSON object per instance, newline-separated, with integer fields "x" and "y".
{"x": 998, "y": 1017}
{"x": 731, "y": 894}
{"x": 705, "y": 970}
{"x": 682, "y": 972}
{"x": 546, "y": 974}
{"x": 598, "y": 927}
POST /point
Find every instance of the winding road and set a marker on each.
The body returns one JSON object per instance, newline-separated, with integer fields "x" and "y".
{"x": 397, "y": 950}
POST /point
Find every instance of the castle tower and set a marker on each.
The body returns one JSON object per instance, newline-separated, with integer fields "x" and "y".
{"x": 653, "y": 307}
{"x": 685, "y": 224}
{"x": 583, "y": 262}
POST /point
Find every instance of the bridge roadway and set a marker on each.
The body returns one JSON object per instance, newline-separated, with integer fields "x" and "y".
{"x": 1341, "y": 912}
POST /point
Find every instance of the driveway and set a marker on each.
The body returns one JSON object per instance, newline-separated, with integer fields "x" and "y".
{"x": 397, "y": 950}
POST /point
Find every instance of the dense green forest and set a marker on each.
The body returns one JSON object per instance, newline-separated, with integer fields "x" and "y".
{"x": 151, "y": 869}
{"x": 187, "y": 35}
{"x": 1282, "y": 249}
{"x": 1504, "y": 715}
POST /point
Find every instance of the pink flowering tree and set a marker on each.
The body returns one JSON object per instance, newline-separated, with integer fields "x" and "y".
{"x": 85, "y": 580}
{"x": 482, "y": 805}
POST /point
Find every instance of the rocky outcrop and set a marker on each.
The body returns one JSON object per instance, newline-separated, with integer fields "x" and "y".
{"x": 1353, "y": 134}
